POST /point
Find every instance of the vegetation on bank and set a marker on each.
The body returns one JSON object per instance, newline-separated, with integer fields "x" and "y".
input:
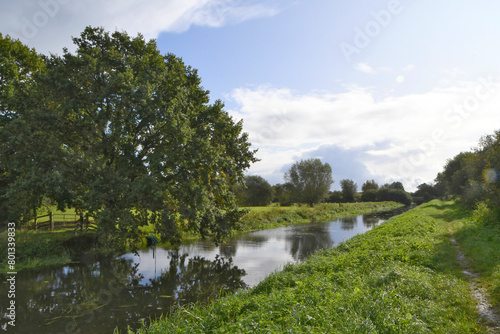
{"x": 400, "y": 277}
{"x": 479, "y": 237}
{"x": 260, "y": 218}
{"x": 35, "y": 249}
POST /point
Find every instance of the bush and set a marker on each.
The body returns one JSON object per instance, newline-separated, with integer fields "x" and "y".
{"x": 369, "y": 195}
{"x": 483, "y": 214}
{"x": 473, "y": 194}
{"x": 395, "y": 195}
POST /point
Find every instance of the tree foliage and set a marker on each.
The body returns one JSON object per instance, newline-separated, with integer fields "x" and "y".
{"x": 134, "y": 139}
{"x": 21, "y": 180}
{"x": 334, "y": 197}
{"x": 473, "y": 176}
{"x": 310, "y": 180}
{"x": 387, "y": 194}
{"x": 394, "y": 185}
{"x": 426, "y": 192}
{"x": 369, "y": 195}
{"x": 369, "y": 185}
{"x": 349, "y": 189}
{"x": 283, "y": 193}
{"x": 255, "y": 192}
{"x": 395, "y": 195}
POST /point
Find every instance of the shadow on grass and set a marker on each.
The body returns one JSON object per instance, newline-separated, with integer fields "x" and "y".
{"x": 481, "y": 245}
{"x": 449, "y": 211}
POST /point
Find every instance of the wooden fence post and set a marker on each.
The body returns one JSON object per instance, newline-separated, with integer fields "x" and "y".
{"x": 34, "y": 211}
{"x": 51, "y": 219}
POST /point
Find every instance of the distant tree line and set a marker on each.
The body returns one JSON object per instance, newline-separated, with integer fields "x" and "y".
{"x": 309, "y": 182}
{"x": 471, "y": 176}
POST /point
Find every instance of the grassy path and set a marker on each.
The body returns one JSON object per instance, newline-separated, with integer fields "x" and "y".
{"x": 400, "y": 277}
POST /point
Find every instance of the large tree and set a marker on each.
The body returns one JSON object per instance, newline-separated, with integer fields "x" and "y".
{"x": 310, "y": 180}
{"x": 22, "y": 136}
{"x": 369, "y": 185}
{"x": 349, "y": 189}
{"x": 139, "y": 141}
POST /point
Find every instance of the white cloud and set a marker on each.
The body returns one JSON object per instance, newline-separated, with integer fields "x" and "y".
{"x": 407, "y": 138}
{"x": 364, "y": 67}
{"x": 48, "y": 25}
{"x": 409, "y": 67}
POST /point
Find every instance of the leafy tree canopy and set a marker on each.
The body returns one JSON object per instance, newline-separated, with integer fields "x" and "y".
{"x": 20, "y": 179}
{"x": 369, "y": 185}
{"x": 256, "y": 192}
{"x": 310, "y": 180}
{"x": 134, "y": 139}
{"x": 349, "y": 189}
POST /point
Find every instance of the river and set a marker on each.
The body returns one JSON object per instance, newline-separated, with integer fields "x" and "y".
{"x": 97, "y": 296}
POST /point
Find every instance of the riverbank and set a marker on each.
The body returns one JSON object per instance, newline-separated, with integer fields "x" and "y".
{"x": 261, "y": 218}
{"x": 37, "y": 249}
{"x": 402, "y": 277}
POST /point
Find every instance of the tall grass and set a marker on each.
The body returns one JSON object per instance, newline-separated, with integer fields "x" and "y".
{"x": 400, "y": 277}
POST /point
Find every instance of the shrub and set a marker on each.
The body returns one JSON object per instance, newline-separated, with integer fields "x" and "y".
{"x": 483, "y": 214}
{"x": 369, "y": 195}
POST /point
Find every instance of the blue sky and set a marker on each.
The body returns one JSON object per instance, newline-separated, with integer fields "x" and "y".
{"x": 384, "y": 90}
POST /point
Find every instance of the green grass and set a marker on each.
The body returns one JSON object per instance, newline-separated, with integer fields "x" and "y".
{"x": 400, "y": 277}
{"x": 35, "y": 249}
{"x": 479, "y": 236}
{"x": 260, "y": 218}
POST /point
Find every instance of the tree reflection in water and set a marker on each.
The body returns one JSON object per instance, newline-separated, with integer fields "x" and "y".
{"x": 348, "y": 223}
{"x": 371, "y": 220}
{"x": 98, "y": 297}
{"x": 308, "y": 241}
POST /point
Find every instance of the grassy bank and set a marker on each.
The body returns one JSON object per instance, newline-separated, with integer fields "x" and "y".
{"x": 36, "y": 249}
{"x": 260, "y": 218}
{"x": 479, "y": 237}
{"x": 400, "y": 277}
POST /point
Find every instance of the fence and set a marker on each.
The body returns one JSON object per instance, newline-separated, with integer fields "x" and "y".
{"x": 60, "y": 221}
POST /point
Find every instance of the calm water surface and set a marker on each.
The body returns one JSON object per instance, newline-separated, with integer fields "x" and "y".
{"x": 97, "y": 296}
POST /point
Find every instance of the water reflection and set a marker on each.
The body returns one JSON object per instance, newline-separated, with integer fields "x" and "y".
{"x": 96, "y": 296}
{"x": 348, "y": 223}
{"x": 303, "y": 242}
{"x": 106, "y": 294}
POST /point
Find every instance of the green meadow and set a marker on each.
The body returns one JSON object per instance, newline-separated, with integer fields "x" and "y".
{"x": 400, "y": 277}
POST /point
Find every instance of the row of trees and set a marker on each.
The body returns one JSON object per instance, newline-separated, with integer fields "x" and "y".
{"x": 473, "y": 176}
{"x": 309, "y": 181}
{"x": 119, "y": 131}
{"x": 371, "y": 192}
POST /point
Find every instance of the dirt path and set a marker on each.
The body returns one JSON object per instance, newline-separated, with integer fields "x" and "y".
{"x": 486, "y": 311}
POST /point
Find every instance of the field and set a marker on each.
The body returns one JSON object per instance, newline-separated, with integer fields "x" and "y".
{"x": 400, "y": 277}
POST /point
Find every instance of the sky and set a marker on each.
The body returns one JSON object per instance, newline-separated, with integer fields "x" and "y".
{"x": 381, "y": 89}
